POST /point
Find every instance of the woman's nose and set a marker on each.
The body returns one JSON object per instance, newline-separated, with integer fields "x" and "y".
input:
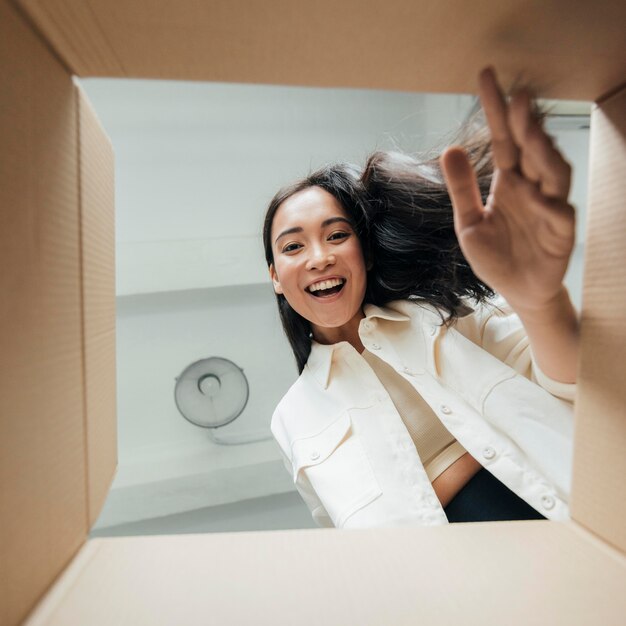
{"x": 320, "y": 259}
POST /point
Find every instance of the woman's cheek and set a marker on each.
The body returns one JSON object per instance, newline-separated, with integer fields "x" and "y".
{"x": 291, "y": 282}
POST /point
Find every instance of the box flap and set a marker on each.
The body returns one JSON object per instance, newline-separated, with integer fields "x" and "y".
{"x": 97, "y": 233}
{"x": 598, "y": 486}
{"x": 483, "y": 573}
{"x": 43, "y": 509}
{"x": 409, "y": 46}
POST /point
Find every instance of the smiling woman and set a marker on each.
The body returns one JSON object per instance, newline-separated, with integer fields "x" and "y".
{"x": 318, "y": 265}
{"x": 418, "y": 390}
{"x": 308, "y": 224}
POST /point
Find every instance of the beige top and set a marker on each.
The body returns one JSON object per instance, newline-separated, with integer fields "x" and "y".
{"x": 436, "y": 447}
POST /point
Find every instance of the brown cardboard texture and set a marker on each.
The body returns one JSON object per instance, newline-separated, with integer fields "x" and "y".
{"x": 43, "y": 508}
{"x": 57, "y": 331}
{"x": 57, "y": 434}
{"x": 401, "y": 45}
{"x": 599, "y": 495}
{"x": 401, "y": 576}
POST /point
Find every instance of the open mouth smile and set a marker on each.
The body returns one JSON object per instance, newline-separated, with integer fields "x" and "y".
{"x": 326, "y": 288}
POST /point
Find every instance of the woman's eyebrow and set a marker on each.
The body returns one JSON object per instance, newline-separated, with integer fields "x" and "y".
{"x": 299, "y": 229}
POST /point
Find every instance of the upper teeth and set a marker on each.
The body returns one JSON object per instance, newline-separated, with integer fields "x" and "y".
{"x": 326, "y": 284}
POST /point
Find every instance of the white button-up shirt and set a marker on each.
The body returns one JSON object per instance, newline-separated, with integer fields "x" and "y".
{"x": 350, "y": 454}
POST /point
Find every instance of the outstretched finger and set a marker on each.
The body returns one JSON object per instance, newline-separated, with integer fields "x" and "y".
{"x": 540, "y": 161}
{"x": 463, "y": 188}
{"x": 505, "y": 152}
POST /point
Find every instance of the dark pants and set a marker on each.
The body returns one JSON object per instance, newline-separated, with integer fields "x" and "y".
{"x": 485, "y": 499}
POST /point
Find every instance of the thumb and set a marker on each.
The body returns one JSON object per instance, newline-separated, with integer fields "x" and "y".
{"x": 462, "y": 186}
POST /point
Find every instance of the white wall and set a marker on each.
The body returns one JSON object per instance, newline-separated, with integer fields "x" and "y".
{"x": 275, "y": 512}
{"x": 196, "y": 165}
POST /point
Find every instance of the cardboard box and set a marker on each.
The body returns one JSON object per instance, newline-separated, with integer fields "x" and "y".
{"x": 57, "y": 330}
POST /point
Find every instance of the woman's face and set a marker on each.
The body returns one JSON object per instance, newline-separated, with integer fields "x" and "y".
{"x": 318, "y": 261}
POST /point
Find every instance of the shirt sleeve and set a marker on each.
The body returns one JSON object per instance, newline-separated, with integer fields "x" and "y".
{"x": 302, "y": 483}
{"x": 306, "y": 491}
{"x": 498, "y": 329}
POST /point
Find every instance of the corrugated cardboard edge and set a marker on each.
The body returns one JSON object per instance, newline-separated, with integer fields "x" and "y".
{"x": 63, "y": 585}
{"x": 97, "y": 240}
{"x": 43, "y": 512}
{"x": 76, "y": 36}
{"x": 598, "y": 485}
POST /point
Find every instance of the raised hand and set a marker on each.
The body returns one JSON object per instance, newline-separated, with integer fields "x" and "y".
{"x": 520, "y": 242}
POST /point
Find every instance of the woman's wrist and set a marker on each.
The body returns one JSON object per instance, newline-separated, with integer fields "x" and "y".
{"x": 556, "y": 310}
{"x": 554, "y": 332}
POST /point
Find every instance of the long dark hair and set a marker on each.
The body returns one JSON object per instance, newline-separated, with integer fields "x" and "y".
{"x": 401, "y": 212}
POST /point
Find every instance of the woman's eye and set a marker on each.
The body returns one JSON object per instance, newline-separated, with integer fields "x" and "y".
{"x": 340, "y": 235}
{"x": 290, "y": 247}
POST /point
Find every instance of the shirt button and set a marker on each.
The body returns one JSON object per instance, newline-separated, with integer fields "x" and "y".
{"x": 411, "y": 372}
{"x": 489, "y": 452}
{"x": 547, "y": 502}
{"x": 446, "y": 409}
{"x": 368, "y": 326}
{"x": 315, "y": 455}
{"x": 375, "y": 346}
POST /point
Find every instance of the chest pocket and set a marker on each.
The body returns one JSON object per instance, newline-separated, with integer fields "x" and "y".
{"x": 338, "y": 469}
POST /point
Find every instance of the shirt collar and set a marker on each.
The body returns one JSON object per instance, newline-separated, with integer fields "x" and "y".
{"x": 385, "y": 313}
{"x": 321, "y": 358}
